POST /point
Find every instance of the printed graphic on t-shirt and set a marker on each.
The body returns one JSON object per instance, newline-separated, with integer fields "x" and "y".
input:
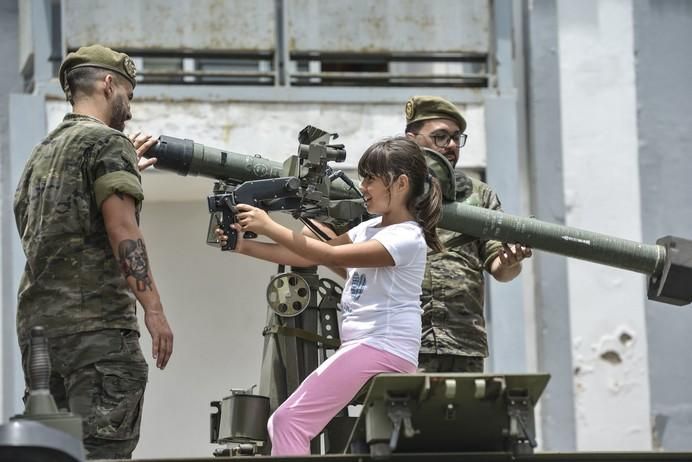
{"x": 357, "y": 285}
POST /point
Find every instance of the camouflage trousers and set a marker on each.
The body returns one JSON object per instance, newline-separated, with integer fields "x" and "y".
{"x": 449, "y": 363}
{"x": 101, "y": 377}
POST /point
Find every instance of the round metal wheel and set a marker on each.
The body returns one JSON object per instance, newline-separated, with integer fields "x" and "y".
{"x": 288, "y": 294}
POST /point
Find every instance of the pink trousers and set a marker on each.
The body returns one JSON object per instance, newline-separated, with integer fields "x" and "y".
{"x": 326, "y": 391}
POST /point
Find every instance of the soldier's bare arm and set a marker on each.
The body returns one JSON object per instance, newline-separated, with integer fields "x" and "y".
{"x": 127, "y": 242}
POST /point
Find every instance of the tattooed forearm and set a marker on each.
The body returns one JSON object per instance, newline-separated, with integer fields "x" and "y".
{"x": 134, "y": 262}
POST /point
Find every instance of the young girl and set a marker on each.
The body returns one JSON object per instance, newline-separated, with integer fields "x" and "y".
{"x": 380, "y": 304}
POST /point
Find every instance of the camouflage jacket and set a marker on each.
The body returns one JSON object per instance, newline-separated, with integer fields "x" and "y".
{"x": 453, "y": 285}
{"x": 72, "y": 282}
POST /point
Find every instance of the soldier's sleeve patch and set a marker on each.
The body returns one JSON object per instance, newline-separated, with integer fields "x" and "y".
{"x": 117, "y": 182}
{"x": 114, "y": 169}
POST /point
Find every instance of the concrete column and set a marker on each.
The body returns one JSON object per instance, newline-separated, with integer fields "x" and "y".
{"x": 506, "y": 300}
{"x": 27, "y": 128}
{"x": 505, "y": 309}
{"x": 601, "y": 188}
{"x": 551, "y": 307}
{"x": 662, "y": 34}
{"x": 10, "y": 81}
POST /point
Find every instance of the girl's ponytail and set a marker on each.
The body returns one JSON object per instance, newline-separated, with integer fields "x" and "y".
{"x": 428, "y": 211}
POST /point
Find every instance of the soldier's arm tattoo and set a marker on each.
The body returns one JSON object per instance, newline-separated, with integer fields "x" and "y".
{"x": 134, "y": 262}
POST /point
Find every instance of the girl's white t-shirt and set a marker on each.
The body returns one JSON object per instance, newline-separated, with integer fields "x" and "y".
{"x": 381, "y": 306}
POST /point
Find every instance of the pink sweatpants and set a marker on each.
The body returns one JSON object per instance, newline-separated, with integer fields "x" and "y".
{"x": 326, "y": 391}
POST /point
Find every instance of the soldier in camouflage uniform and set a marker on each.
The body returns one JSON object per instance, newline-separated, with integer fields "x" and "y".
{"x": 454, "y": 337}
{"x": 77, "y": 210}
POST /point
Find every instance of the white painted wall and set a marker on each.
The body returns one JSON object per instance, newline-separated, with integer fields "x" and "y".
{"x": 271, "y": 129}
{"x": 214, "y": 303}
{"x": 601, "y": 180}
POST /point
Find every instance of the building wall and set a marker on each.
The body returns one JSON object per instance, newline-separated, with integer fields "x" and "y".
{"x": 601, "y": 188}
{"x": 662, "y": 32}
{"x": 216, "y": 308}
{"x": 269, "y": 129}
{"x": 551, "y": 322}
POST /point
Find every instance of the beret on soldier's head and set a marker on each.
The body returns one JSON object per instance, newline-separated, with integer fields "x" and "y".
{"x": 432, "y": 107}
{"x": 101, "y": 57}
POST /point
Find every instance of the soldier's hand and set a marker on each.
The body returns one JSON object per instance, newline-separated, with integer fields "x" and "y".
{"x": 142, "y": 143}
{"x": 161, "y": 336}
{"x": 512, "y": 254}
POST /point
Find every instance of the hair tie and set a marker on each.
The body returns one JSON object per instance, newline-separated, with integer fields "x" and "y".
{"x": 428, "y": 178}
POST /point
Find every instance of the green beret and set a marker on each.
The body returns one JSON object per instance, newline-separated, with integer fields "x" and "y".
{"x": 432, "y": 107}
{"x": 98, "y": 56}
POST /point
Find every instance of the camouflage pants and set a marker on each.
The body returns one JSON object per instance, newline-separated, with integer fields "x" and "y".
{"x": 100, "y": 376}
{"x": 449, "y": 363}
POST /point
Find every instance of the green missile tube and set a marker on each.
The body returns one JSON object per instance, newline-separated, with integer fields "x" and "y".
{"x": 187, "y": 158}
{"x": 668, "y": 263}
{"x": 571, "y": 242}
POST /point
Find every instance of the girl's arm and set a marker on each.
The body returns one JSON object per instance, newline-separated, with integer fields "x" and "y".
{"x": 275, "y": 253}
{"x": 341, "y": 252}
{"x": 271, "y": 252}
{"x": 332, "y": 235}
